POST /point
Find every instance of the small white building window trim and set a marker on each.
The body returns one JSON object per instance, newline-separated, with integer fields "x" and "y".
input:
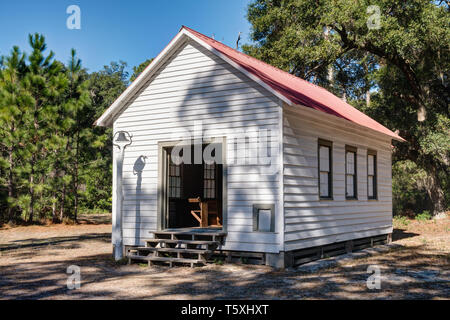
{"x": 325, "y": 169}
{"x": 372, "y": 187}
{"x": 351, "y": 173}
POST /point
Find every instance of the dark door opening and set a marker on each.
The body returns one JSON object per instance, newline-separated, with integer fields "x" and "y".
{"x": 193, "y": 191}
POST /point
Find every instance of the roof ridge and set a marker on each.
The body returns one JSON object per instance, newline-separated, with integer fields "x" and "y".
{"x": 288, "y": 87}
{"x": 260, "y": 61}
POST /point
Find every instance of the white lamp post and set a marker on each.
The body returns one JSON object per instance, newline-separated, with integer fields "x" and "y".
{"x": 121, "y": 139}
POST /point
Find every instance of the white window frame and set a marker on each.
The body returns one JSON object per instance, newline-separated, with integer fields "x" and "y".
{"x": 353, "y": 175}
{"x": 374, "y": 175}
{"x": 326, "y": 144}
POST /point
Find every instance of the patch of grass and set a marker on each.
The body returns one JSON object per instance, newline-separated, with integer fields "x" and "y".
{"x": 94, "y": 211}
{"x": 424, "y": 216}
{"x": 218, "y": 261}
{"x": 69, "y": 222}
{"x": 401, "y": 221}
{"x": 120, "y": 262}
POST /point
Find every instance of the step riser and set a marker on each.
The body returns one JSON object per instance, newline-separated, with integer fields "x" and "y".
{"x": 173, "y": 250}
{"x": 177, "y": 248}
{"x": 170, "y": 260}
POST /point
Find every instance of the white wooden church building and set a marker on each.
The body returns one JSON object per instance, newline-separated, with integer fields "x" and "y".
{"x": 229, "y": 155}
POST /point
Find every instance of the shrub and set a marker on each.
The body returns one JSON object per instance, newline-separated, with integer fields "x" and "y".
{"x": 424, "y": 216}
{"x": 408, "y": 192}
{"x": 401, "y": 221}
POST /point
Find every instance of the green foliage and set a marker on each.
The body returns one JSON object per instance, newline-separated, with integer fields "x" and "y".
{"x": 138, "y": 70}
{"x": 397, "y": 73}
{"x": 409, "y": 195}
{"x": 401, "y": 221}
{"x": 424, "y": 216}
{"x": 53, "y": 162}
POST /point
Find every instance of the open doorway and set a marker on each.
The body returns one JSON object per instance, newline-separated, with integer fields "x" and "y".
{"x": 193, "y": 192}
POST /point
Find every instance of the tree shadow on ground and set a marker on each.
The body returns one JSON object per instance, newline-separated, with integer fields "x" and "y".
{"x": 37, "y": 242}
{"x": 95, "y": 219}
{"x": 44, "y": 280}
{"x": 400, "y": 234}
{"x": 405, "y": 275}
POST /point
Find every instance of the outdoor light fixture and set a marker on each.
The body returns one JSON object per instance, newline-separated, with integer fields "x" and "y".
{"x": 121, "y": 139}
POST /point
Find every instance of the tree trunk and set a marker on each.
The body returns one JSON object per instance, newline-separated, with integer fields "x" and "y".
{"x": 435, "y": 191}
{"x": 75, "y": 209}
{"x": 33, "y": 163}
{"x": 54, "y": 218}
{"x": 63, "y": 196}
{"x": 10, "y": 182}
{"x": 63, "y": 199}
{"x": 30, "y": 218}
{"x": 54, "y": 215}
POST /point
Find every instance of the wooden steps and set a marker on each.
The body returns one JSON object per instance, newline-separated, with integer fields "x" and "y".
{"x": 178, "y": 242}
{"x": 170, "y": 260}
{"x": 177, "y": 247}
{"x": 181, "y": 250}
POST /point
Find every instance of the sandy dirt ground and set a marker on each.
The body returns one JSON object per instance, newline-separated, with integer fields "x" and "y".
{"x": 34, "y": 262}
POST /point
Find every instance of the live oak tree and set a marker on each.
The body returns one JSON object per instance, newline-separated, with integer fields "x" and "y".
{"x": 397, "y": 72}
{"x": 138, "y": 69}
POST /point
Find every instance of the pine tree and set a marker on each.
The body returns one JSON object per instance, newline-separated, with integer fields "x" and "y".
{"x": 13, "y": 102}
{"x": 78, "y": 99}
{"x": 45, "y": 82}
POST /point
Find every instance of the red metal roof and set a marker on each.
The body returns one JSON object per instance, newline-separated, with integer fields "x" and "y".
{"x": 295, "y": 89}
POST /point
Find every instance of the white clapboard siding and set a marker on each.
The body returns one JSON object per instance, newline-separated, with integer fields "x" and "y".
{"x": 310, "y": 221}
{"x": 195, "y": 85}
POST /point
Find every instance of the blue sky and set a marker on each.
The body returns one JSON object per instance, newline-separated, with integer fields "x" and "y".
{"x": 113, "y": 30}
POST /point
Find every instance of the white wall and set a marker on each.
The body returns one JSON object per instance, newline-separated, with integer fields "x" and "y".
{"x": 197, "y": 85}
{"x": 310, "y": 221}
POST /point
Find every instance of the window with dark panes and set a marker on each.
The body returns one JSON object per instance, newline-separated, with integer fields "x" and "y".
{"x": 371, "y": 174}
{"x": 350, "y": 173}
{"x": 325, "y": 169}
{"x": 174, "y": 180}
{"x": 209, "y": 181}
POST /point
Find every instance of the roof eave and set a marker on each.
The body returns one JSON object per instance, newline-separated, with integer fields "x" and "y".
{"x": 343, "y": 121}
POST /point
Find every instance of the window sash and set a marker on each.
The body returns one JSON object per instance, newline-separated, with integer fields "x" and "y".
{"x": 175, "y": 185}
{"x": 371, "y": 174}
{"x": 350, "y": 186}
{"x": 371, "y": 165}
{"x": 370, "y": 189}
{"x": 350, "y": 173}
{"x": 325, "y": 169}
{"x": 209, "y": 181}
{"x": 324, "y": 187}
{"x": 324, "y": 159}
